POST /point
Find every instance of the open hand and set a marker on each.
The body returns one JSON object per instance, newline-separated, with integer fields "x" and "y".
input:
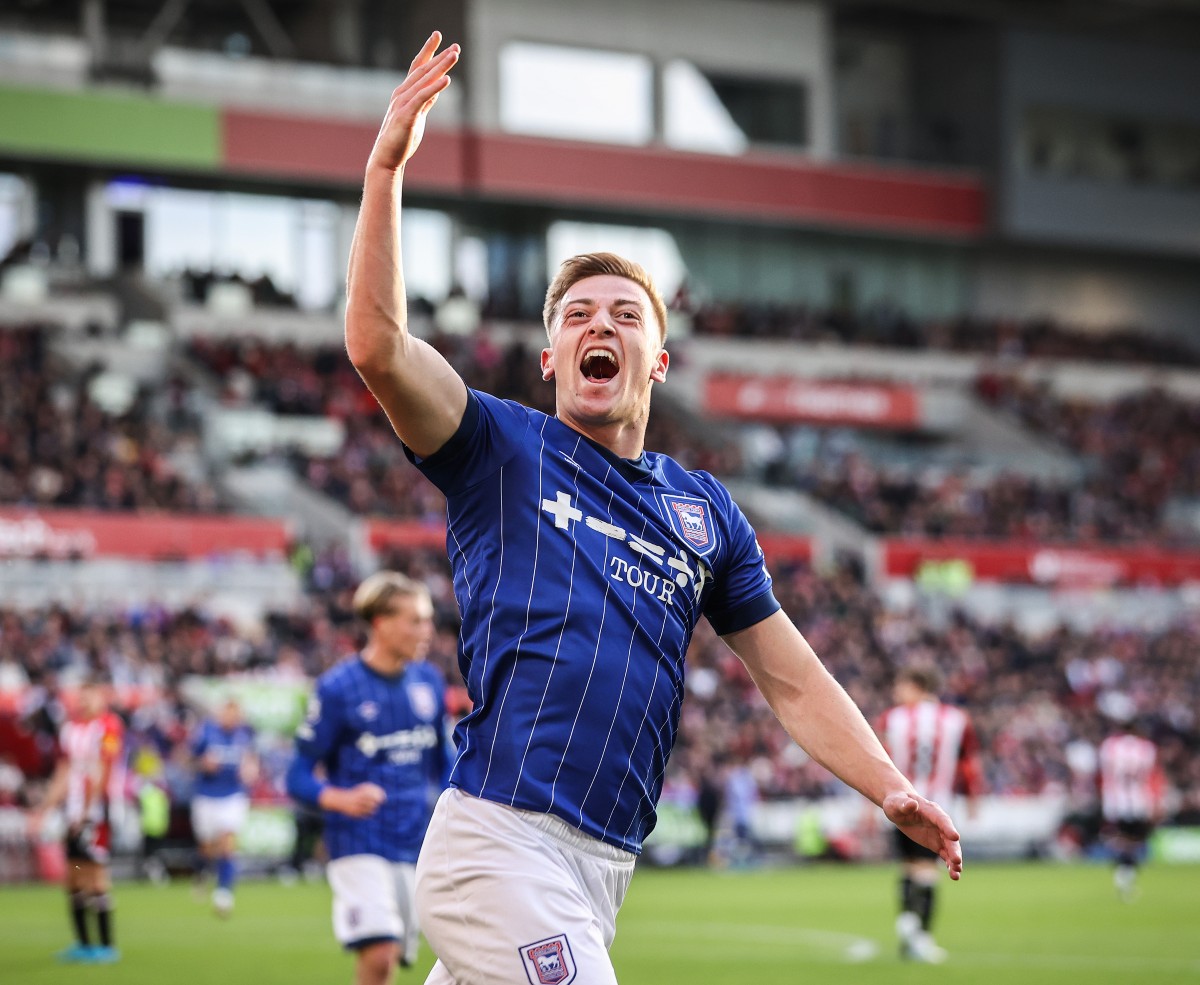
{"x": 404, "y": 124}
{"x": 926, "y": 824}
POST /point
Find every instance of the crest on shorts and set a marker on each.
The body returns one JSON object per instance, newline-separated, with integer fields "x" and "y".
{"x": 692, "y": 520}
{"x": 423, "y": 699}
{"x": 549, "y": 962}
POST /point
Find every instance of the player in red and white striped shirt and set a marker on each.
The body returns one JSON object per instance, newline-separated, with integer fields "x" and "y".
{"x": 1131, "y": 787}
{"x": 935, "y": 746}
{"x": 88, "y": 783}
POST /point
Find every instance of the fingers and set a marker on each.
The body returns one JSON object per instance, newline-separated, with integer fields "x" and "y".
{"x": 427, "y": 50}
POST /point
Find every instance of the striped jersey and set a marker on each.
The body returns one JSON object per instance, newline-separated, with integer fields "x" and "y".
{"x": 580, "y": 577}
{"x": 229, "y": 747}
{"x": 364, "y": 727}
{"x": 1130, "y": 780}
{"x": 89, "y": 745}
{"x": 935, "y": 746}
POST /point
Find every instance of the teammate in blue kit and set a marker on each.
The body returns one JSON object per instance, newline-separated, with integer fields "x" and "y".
{"x": 223, "y": 749}
{"x": 377, "y": 726}
{"x": 581, "y": 566}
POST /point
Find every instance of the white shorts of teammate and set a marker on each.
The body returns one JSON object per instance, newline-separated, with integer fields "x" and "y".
{"x": 373, "y": 901}
{"x": 509, "y": 896}
{"x": 213, "y": 817}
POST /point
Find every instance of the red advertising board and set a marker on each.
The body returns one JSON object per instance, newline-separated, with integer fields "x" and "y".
{"x": 1046, "y": 564}
{"x": 149, "y": 537}
{"x": 789, "y": 399}
{"x": 382, "y": 534}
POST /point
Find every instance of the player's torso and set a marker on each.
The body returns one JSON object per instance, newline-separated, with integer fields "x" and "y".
{"x": 86, "y": 744}
{"x": 390, "y": 731}
{"x": 580, "y": 586}
{"x": 227, "y": 748}
{"x": 925, "y": 741}
{"x": 1127, "y": 765}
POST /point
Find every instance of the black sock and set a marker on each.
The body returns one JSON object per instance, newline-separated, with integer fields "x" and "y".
{"x": 79, "y": 909}
{"x": 103, "y": 905}
{"x": 924, "y": 905}
{"x": 906, "y": 895}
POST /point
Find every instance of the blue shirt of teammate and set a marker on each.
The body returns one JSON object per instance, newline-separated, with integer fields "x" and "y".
{"x": 229, "y": 747}
{"x": 580, "y": 577}
{"x": 364, "y": 727}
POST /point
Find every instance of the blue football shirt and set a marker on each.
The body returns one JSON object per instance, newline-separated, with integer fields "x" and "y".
{"x": 391, "y": 731}
{"x": 580, "y": 578}
{"x": 228, "y": 747}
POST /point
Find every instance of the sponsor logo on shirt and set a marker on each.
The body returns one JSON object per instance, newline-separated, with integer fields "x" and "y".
{"x": 403, "y": 746}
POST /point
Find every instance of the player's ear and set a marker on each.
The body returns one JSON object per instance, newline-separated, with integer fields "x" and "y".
{"x": 658, "y": 372}
{"x": 547, "y": 364}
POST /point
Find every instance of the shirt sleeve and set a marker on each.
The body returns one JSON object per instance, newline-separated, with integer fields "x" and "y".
{"x": 322, "y": 724}
{"x": 486, "y": 439}
{"x": 742, "y": 593}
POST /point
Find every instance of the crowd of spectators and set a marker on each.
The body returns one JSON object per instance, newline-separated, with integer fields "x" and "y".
{"x": 59, "y": 447}
{"x": 1139, "y": 456}
{"x": 887, "y": 327}
{"x": 1041, "y": 703}
{"x": 369, "y": 473}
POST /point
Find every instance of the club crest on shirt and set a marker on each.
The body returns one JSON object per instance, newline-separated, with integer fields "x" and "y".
{"x": 692, "y": 520}
{"x": 369, "y": 711}
{"x": 549, "y": 962}
{"x": 423, "y": 699}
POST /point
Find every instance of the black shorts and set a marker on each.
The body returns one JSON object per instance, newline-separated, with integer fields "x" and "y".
{"x": 1133, "y": 829}
{"x": 909, "y": 851}
{"x": 90, "y": 842}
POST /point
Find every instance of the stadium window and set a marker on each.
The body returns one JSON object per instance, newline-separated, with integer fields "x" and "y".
{"x": 16, "y": 211}
{"x": 694, "y": 118}
{"x": 721, "y": 113}
{"x": 768, "y": 111}
{"x": 654, "y": 249}
{"x": 427, "y": 239}
{"x": 604, "y": 96}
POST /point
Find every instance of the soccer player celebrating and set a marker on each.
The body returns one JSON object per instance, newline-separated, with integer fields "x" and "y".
{"x": 936, "y": 747}
{"x": 582, "y": 564}
{"x": 88, "y": 780}
{"x": 1131, "y": 788}
{"x": 376, "y": 725}
{"x": 223, "y": 749}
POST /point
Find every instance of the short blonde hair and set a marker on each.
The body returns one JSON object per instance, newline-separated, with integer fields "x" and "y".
{"x": 375, "y": 595}
{"x": 595, "y": 265}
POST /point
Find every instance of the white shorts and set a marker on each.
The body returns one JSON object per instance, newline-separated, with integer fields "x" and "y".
{"x": 509, "y": 896}
{"x": 213, "y": 817}
{"x": 373, "y": 901}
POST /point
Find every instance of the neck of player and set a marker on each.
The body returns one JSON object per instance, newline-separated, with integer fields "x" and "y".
{"x": 383, "y": 661}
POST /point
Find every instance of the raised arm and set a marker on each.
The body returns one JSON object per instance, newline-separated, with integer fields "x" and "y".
{"x": 818, "y": 713}
{"x": 422, "y": 394}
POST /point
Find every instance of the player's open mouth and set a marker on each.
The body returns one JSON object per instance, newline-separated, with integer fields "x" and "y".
{"x": 599, "y": 365}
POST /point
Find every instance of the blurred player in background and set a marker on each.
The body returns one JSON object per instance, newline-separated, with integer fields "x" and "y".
{"x": 226, "y": 765}
{"x": 376, "y": 726}
{"x": 88, "y": 781}
{"x": 581, "y": 567}
{"x": 1131, "y": 787}
{"x": 935, "y": 746}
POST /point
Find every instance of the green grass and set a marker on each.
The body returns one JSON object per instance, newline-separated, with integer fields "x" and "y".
{"x": 1002, "y": 923}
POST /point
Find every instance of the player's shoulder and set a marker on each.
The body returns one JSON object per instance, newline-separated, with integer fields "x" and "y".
{"x": 696, "y": 482}
{"x": 424, "y": 672}
{"x": 346, "y": 673}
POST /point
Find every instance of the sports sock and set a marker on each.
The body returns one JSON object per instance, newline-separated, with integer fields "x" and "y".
{"x": 102, "y": 904}
{"x": 226, "y": 871}
{"x": 79, "y": 908}
{"x": 906, "y": 895}
{"x": 924, "y": 905}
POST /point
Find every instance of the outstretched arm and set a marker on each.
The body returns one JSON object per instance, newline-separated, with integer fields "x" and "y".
{"x": 422, "y": 394}
{"x": 818, "y": 713}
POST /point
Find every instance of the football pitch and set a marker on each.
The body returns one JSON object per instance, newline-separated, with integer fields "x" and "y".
{"x": 1003, "y": 923}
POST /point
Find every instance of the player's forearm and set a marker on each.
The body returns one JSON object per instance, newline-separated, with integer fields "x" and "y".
{"x": 814, "y": 708}
{"x": 376, "y": 302}
{"x": 828, "y": 725}
{"x": 302, "y": 785}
